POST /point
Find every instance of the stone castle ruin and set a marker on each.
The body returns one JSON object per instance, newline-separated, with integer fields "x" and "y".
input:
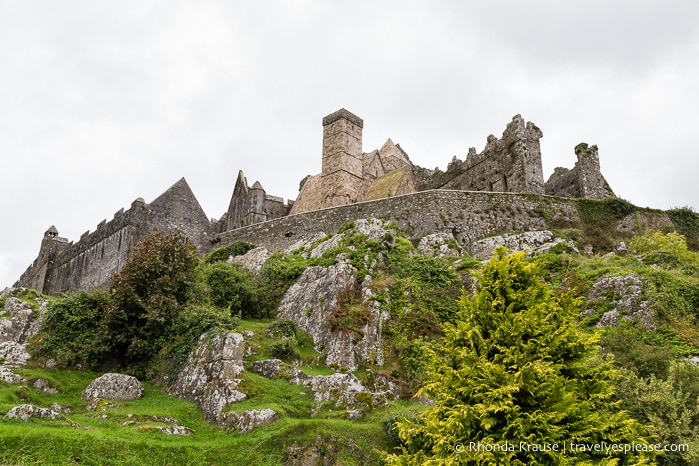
{"x": 353, "y": 184}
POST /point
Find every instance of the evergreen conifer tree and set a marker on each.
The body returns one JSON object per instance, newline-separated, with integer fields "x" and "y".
{"x": 515, "y": 382}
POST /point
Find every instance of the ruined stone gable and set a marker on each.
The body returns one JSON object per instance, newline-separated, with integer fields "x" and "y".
{"x": 583, "y": 180}
{"x": 63, "y": 266}
{"x": 251, "y": 205}
{"x": 510, "y": 164}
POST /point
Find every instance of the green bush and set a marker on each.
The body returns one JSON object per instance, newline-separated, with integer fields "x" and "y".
{"x": 284, "y": 349}
{"x": 229, "y": 286}
{"x": 282, "y": 328}
{"x": 631, "y": 352}
{"x": 686, "y": 221}
{"x": 514, "y": 367}
{"x": 668, "y": 407}
{"x": 276, "y": 276}
{"x": 72, "y": 330}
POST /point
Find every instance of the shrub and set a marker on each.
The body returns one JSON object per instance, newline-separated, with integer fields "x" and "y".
{"x": 514, "y": 367}
{"x": 669, "y": 408}
{"x": 228, "y": 286}
{"x": 72, "y": 330}
{"x": 282, "y": 328}
{"x": 284, "y": 349}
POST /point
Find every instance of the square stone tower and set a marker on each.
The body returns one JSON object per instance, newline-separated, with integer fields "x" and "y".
{"x": 342, "y": 180}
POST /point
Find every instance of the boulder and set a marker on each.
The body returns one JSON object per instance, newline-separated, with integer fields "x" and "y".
{"x": 210, "y": 377}
{"x": 253, "y": 260}
{"x": 312, "y": 301}
{"x": 275, "y": 368}
{"x": 626, "y": 294}
{"x": 20, "y": 320}
{"x": 42, "y": 385}
{"x": 7, "y": 376}
{"x": 247, "y": 420}
{"x": 13, "y": 354}
{"x": 26, "y": 412}
{"x": 439, "y": 245}
{"x": 535, "y": 242}
{"x": 115, "y": 387}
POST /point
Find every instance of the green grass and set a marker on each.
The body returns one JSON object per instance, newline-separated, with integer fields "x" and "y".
{"x": 109, "y": 441}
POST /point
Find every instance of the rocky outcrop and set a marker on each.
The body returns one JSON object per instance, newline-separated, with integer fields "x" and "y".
{"x": 275, "y": 368}
{"x": 313, "y": 301}
{"x": 316, "y": 299}
{"x": 439, "y": 245}
{"x": 13, "y": 355}
{"x": 19, "y": 321}
{"x": 253, "y": 260}
{"x": 115, "y": 387}
{"x": 342, "y": 390}
{"x": 210, "y": 379}
{"x": 626, "y": 295}
{"x": 535, "y": 242}
{"x": 247, "y": 420}
{"x": 26, "y": 412}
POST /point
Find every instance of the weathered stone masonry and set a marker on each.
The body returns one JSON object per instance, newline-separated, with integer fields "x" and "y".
{"x": 64, "y": 266}
{"x": 353, "y": 184}
{"x": 469, "y": 216}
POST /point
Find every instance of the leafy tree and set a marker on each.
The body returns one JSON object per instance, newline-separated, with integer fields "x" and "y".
{"x": 148, "y": 294}
{"x": 514, "y": 368}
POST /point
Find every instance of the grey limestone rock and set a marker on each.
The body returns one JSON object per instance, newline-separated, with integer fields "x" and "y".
{"x": 175, "y": 430}
{"x": 275, "y": 368}
{"x": 247, "y": 420}
{"x": 253, "y": 260}
{"x": 26, "y": 412}
{"x": 626, "y": 292}
{"x": 536, "y": 242}
{"x": 311, "y": 303}
{"x": 210, "y": 376}
{"x": 439, "y": 245}
{"x": 7, "y": 376}
{"x": 13, "y": 354}
{"x": 20, "y": 320}
{"x": 347, "y": 391}
{"x": 116, "y": 387}
{"x": 42, "y": 385}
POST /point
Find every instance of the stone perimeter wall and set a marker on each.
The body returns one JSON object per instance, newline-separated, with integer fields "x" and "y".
{"x": 468, "y": 215}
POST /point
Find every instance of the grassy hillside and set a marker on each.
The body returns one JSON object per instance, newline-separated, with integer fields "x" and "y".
{"x": 655, "y": 383}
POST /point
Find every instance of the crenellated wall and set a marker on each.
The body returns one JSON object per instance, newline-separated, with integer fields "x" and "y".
{"x": 89, "y": 263}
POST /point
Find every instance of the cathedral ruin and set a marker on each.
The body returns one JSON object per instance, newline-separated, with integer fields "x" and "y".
{"x": 350, "y": 176}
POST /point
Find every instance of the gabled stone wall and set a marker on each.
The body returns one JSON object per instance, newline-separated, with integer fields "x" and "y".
{"x": 90, "y": 263}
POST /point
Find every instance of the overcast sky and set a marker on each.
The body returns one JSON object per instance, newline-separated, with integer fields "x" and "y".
{"x": 104, "y": 102}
